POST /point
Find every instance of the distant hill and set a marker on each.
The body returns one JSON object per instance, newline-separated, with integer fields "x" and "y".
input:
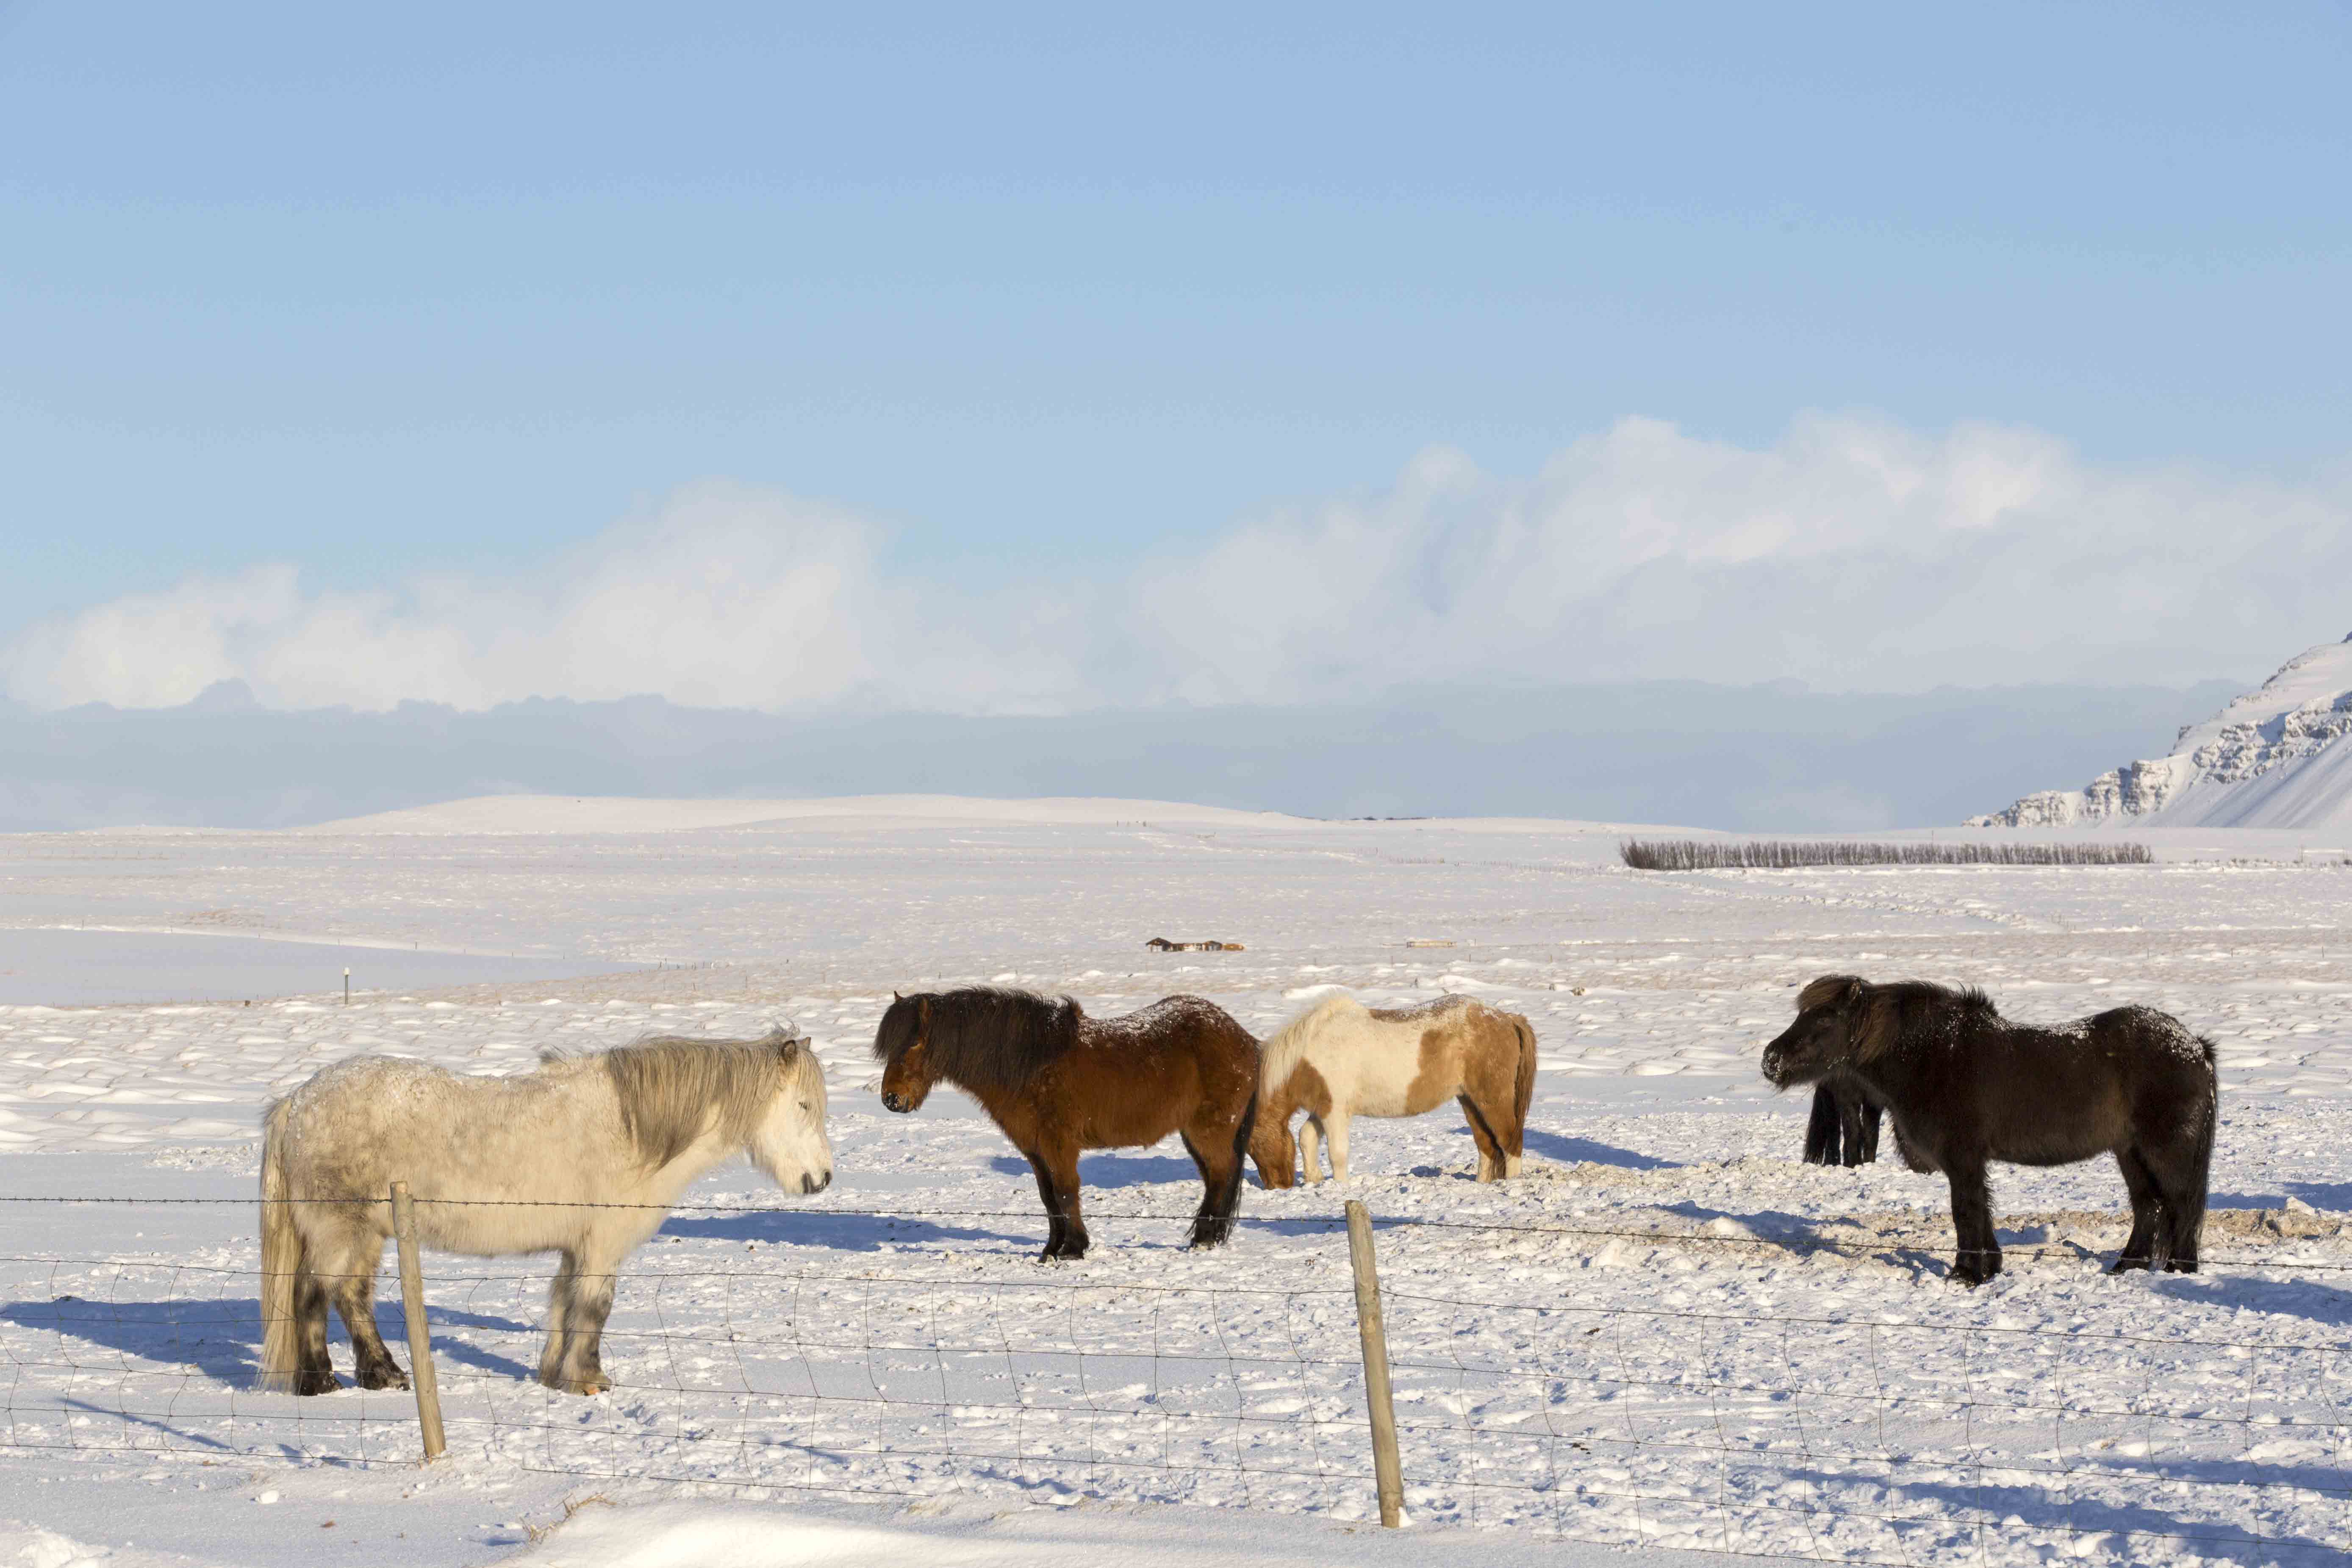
{"x": 2276, "y": 757}
{"x": 1771, "y": 757}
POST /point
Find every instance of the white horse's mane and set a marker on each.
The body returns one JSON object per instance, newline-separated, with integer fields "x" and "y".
{"x": 672, "y": 1088}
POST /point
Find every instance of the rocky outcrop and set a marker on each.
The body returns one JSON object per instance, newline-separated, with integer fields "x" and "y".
{"x": 2276, "y": 757}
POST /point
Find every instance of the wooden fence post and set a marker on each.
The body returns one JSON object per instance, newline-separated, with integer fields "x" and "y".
{"x": 1388, "y": 1474}
{"x": 420, "y": 1333}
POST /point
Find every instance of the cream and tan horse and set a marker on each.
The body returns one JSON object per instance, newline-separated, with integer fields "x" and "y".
{"x": 582, "y": 1158}
{"x": 1340, "y": 1059}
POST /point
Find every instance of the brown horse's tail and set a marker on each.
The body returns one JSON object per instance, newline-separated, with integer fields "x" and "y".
{"x": 1229, "y": 1201}
{"x": 1214, "y": 1225}
{"x": 282, "y": 1258}
{"x": 1523, "y": 1094}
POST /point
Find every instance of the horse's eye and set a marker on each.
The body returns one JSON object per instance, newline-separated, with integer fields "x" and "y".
{"x": 807, "y": 1106}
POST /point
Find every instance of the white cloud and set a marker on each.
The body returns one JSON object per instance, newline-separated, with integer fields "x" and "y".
{"x": 1849, "y": 554}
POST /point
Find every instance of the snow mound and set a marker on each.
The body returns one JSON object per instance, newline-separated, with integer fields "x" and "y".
{"x": 2277, "y": 758}
{"x": 29, "y": 1546}
{"x": 548, "y": 813}
{"x": 749, "y": 1535}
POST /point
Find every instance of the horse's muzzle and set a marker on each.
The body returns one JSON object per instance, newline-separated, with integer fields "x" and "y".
{"x": 816, "y": 1183}
{"x": 895, "y": 1102}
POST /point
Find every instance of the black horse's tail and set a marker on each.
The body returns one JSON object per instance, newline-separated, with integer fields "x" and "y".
{"x": 2191, "y": 1222}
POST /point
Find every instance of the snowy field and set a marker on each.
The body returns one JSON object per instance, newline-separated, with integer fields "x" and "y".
{"x": 1668, "y": 1335}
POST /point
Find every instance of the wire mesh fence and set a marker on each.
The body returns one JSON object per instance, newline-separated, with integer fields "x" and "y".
{"x": 1762, "y": 1430}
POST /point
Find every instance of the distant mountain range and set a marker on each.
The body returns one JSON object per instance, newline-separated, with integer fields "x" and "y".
{"x": 2275, "y": 757}
{"x": 1768, "y": 757}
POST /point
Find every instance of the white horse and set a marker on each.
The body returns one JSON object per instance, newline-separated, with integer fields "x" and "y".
{"x": 1340, "y": 1059}
{"x": 502, "y": 1165}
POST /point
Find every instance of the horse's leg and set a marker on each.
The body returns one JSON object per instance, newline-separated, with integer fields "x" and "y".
{"x": 1336, "y": 1129}
{"x": 353, "y": 1296}
{"x": 314, "y": 1373}
{"x": 1857, "y": 1129}
{"x": 559, "y": 1319}
{"x": 1205, "y": 1231}
{"x": 1054, "y": 1227}
{"x": 1062, "y": 1166}
{"x": 1977, "y": 1258}
{"x": 1822, "y": 1130}
{"x": 1872, "y": 1114}
{"x": 1310, "y": 1148}
{"x": 581, "y": 1370}
{"x": 1220, "y": 1185}
{"x": 1482, "y": 1138}
{"x": 2146, "y": 1204}
{"x": 2185, "y": 1175}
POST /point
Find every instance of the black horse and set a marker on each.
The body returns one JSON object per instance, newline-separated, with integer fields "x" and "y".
{"x": 1844, "y": 1127}
{"x": 1967, "y": 1086}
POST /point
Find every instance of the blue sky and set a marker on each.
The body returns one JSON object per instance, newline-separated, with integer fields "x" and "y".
{"x": 1040, "y": 302}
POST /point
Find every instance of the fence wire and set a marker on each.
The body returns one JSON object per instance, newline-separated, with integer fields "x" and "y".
{"x": 800, "y": 1368}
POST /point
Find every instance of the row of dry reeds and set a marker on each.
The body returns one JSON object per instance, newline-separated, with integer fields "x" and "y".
{"x": 1783, "y": 855}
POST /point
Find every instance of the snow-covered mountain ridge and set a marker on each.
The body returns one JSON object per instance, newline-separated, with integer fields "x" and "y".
{"x": 2275, "y": 757}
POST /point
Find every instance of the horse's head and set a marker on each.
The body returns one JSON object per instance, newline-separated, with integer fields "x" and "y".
{"x": 902, "y": 1045}
{"x": 1274, "y": 1149}
{"x": 1826, "y": 1035}
{"x": 790, "y": 1142}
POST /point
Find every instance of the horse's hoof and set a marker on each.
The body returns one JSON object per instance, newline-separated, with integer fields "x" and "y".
{"x": 389, "y": 1377}
{"x": 2182, "y": 1266}
{"x": 2127, "y": 1265}
{"x": 316, "y": 1382}
{"x": 596, "y": 1383}
{"x": 1970, "y": 1276}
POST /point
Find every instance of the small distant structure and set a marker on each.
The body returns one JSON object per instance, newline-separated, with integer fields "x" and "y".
{"x": 1429, "y": 941}
{"x": 1162, "y": 944}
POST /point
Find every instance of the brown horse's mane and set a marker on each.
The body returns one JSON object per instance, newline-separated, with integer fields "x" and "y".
{"x": 989, "y": 1040}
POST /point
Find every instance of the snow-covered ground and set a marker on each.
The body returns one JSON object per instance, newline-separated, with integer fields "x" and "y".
{"x": 1668, "y": 1334}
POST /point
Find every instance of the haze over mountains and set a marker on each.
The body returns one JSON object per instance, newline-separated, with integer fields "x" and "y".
{"x": 1764, "y": 757}
{"x": 2277, "y": 757}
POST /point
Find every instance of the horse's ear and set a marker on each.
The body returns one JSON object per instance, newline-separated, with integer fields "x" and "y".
{"x": 896, "y": 997}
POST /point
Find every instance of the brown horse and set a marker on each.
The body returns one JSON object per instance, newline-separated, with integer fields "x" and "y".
{"x": 1057, "y": 1081}
{"x": 1965, "y": 1087}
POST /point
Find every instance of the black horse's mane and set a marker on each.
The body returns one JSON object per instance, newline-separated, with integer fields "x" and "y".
{"x": 1921, "y": 994}
{"x": 985, "y": 1038}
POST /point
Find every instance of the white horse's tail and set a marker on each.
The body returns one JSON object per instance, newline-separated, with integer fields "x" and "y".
{"x": 282, "y": 1258}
